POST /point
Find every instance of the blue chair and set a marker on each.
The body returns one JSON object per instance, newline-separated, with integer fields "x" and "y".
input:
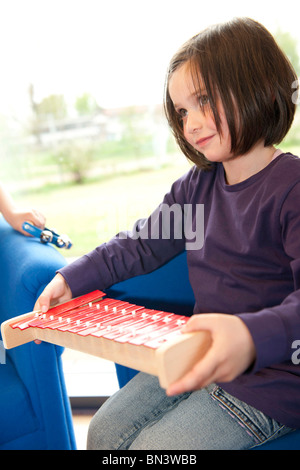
{"x": 34, "y": 407}
{"x": 168, "y": 289}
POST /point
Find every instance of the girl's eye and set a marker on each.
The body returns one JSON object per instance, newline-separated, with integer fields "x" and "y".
{"x": 203, "y": 100}
{"x": 182, "y": 112}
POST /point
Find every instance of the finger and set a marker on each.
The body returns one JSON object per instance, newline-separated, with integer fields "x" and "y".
{"x": 201, "y": 321}
{"x": 56, "y": 291}
{"x": 40, "y": 219}
{"x": 43, "y": 302}
{"x": 201, "y": 375}
{"x": 186, "y": 384}
{"x": 37, "y": 218}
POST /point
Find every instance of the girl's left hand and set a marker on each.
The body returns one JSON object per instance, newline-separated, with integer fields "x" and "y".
{"x": 231, "y": 353}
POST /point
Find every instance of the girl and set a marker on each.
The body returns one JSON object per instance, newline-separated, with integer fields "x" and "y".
{"x": 228, "y": 101}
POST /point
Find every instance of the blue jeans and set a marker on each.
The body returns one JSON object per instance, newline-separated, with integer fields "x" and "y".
{"x": 141, "y": 416}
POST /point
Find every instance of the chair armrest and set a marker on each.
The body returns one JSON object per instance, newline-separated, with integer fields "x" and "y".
{"x": 27, "y": 266}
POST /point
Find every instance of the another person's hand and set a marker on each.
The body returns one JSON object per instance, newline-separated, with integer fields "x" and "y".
{"x": 17, "y": 217}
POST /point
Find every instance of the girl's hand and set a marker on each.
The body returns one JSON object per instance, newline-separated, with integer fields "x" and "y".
{"x": 232, "y": 351}
{"x": 57, "y": 291}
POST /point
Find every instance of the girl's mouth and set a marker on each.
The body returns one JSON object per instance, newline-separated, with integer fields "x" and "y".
{"x": 202, "y": 142}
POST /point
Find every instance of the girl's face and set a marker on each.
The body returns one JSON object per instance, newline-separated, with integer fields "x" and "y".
{"x": 199, "y": 127}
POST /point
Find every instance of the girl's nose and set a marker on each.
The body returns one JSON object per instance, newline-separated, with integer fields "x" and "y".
{"x": 194, "y": 121}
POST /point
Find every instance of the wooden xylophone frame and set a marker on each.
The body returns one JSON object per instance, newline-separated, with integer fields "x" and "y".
{"x": 166, "y": 353}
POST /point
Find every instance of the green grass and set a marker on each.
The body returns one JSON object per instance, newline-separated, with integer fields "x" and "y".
{"x": 93, "y": 212}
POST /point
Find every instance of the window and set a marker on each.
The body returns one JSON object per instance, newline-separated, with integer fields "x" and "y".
{"x": 81, "y": 116}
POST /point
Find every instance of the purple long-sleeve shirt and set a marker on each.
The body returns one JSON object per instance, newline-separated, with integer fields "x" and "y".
{"x": 247, "y": 265}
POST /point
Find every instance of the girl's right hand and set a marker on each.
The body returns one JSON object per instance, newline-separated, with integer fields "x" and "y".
{"x": 57, "y": 291}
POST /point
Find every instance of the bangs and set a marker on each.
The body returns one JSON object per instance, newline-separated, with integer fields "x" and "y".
{"x": 203, "y": 79}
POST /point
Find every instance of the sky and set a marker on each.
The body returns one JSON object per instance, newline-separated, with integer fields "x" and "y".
{"x": 116, "y": 50}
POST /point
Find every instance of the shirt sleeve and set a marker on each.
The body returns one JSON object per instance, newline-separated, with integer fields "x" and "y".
{"x": 151, "y": 243}
{"x": 275, "y": 329}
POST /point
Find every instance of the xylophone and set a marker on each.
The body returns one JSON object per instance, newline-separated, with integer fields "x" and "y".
{"x": 131, "y": 335}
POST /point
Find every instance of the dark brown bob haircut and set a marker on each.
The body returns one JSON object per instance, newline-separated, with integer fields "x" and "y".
{"x": 240, "y": 64}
